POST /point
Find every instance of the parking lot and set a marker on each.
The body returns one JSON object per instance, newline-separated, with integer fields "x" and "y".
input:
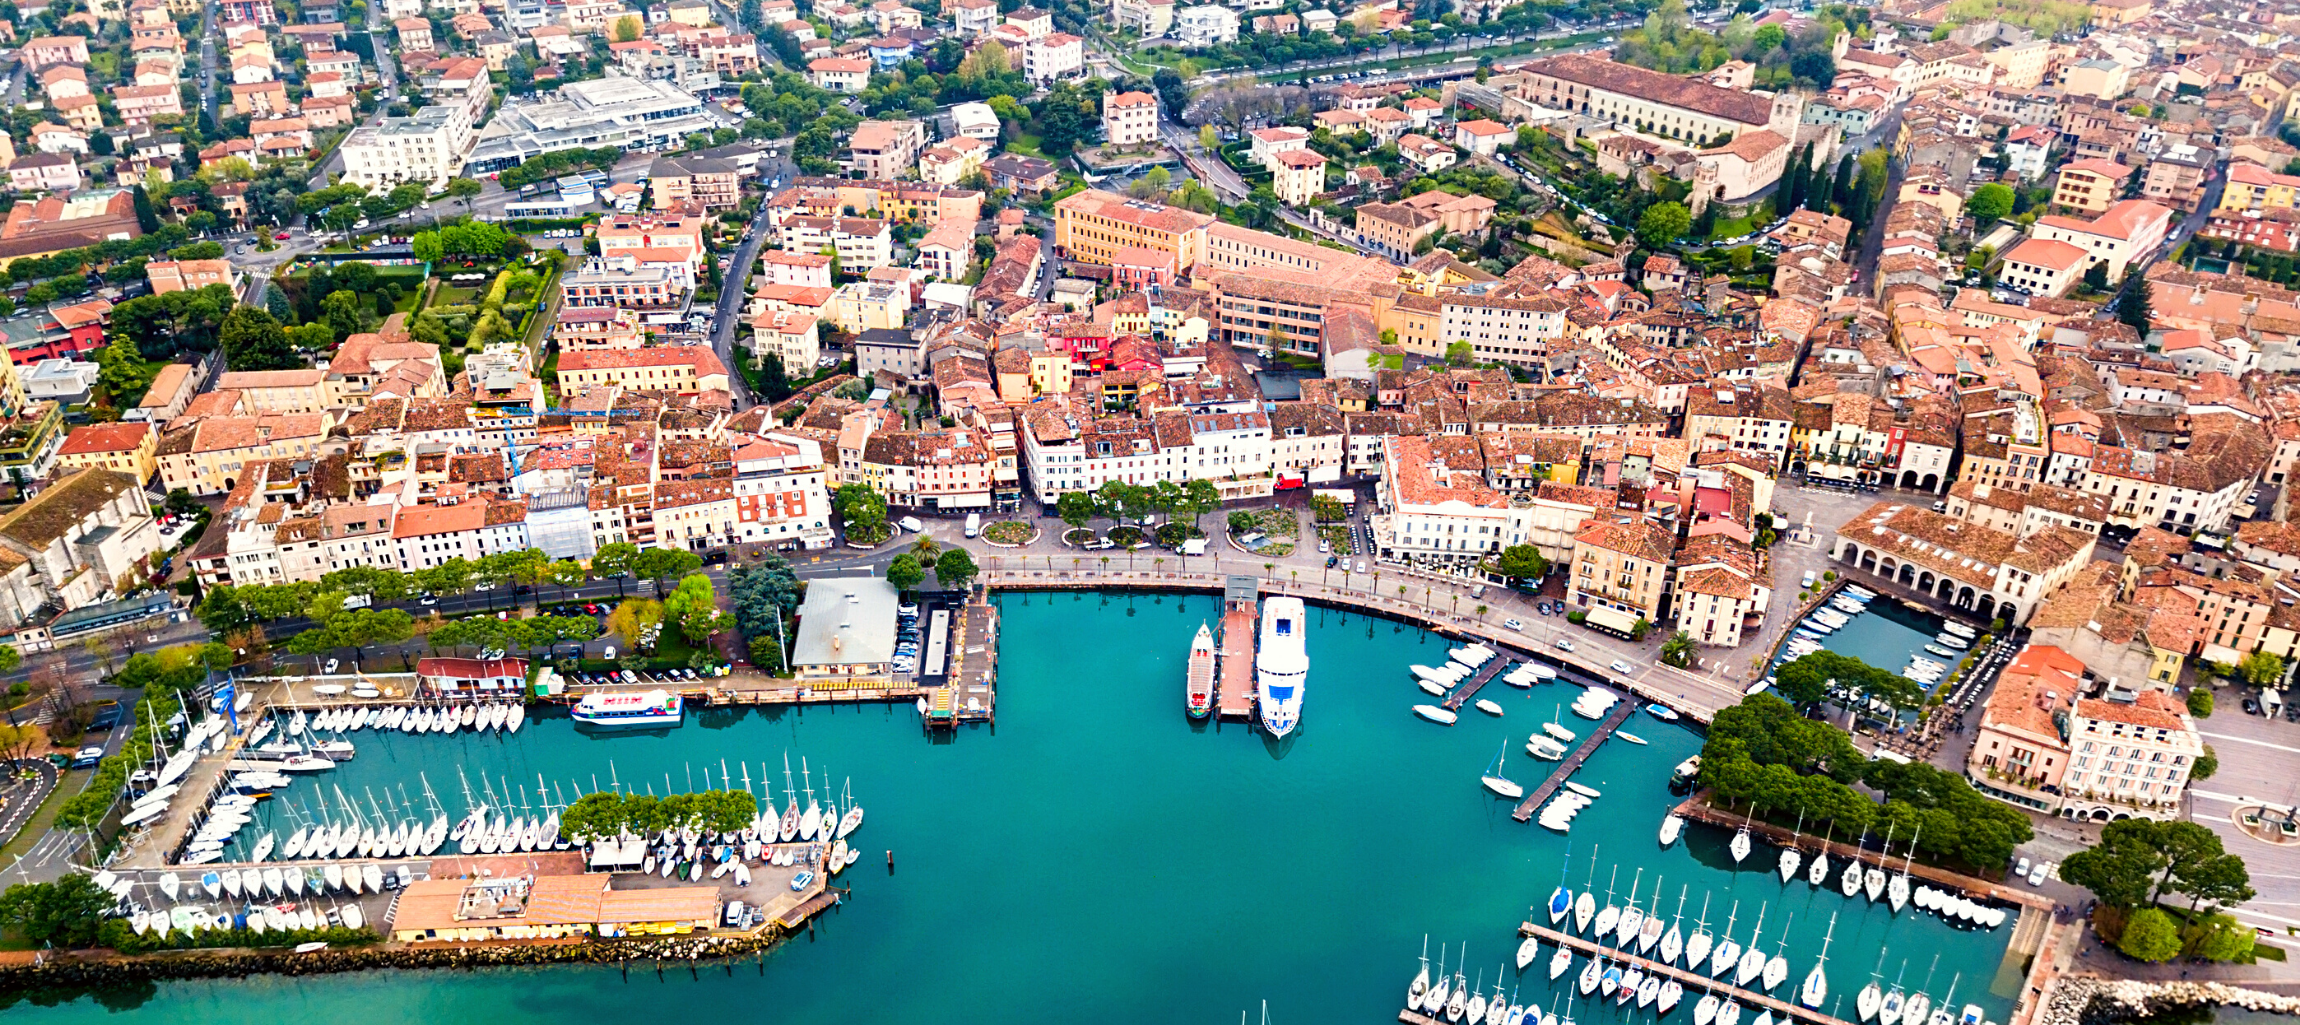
{"x": 2259, "y": 765}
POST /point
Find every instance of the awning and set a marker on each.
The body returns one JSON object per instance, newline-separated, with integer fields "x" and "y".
{"x": 1611, "y": 620}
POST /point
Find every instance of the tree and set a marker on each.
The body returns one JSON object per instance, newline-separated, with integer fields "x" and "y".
{"x": 2207, "y": 764}
{"x": 1173, "y": 92}
{"x": 2221, "y": 938}
{"x": 2132, "y": 303}
{"x": 1460, "y": 353}
{"x": 1989, "y": 204}
{"x": 956, "y": 569}
{"x": 65, "y": 913}
{"x": 660, "y": 564}
{"x": 862, "y": 510}
{"x": 904, "y": 572}
{"x": 464, "y": 190}
{"x": 2260, "y": 668}
{"x": 1663, "y": 223}
{"x": 2121, "y": 869}
{"x": 1521, "y": 562}
{"x": 2200, "y": 703}
{"x": 1075, "y": 507}
{"x": 626, "y": 29}
{"x": 253, "y": 340}
{"x": 694, "y": 606}
{"x": 2150, "y": 935}
{"x": 344, "y": 312}
{"x": 614, "y": 560}
{"x": 633, "y": 617}
{"x": 1678, "y": 650}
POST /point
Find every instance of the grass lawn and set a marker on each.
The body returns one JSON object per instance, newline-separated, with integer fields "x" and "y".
{"x": 1025, "y": 144}
{"x": 1733, "y": 227}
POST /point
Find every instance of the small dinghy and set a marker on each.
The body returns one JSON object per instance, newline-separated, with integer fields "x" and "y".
{"x": 1488, "y": 707}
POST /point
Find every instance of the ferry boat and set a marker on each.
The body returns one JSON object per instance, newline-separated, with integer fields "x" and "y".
{"x": 1281, "y": 665}
{"x": 652, "y": 708}
{"x": 1200, "y": 693}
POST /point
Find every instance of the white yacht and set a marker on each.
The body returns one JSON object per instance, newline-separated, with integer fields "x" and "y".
{"x": 1281, "y": 665}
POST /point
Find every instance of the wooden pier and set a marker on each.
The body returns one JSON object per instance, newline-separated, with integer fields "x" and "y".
{"x": 1698, "y": 809}
{"x": 1235, "y": 699}
{"x": 1604, "y": 732}
{"x": 1493, "y": 667}
{"x": 1690, "y": 980}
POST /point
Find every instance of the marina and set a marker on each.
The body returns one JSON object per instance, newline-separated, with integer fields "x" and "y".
{"x": 1110, "y": 793}
{"x": 1573, "y": 762}
{"x": 1751, "y": 999}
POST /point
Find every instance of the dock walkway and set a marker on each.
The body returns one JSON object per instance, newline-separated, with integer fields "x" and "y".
{"x": 1782, "y": 1009}
{"x": 1613, "y": 720}
{"x": 1493, "y": 667}
{"x": 1236, "y": 698}
{"x": 1698, "y": 809}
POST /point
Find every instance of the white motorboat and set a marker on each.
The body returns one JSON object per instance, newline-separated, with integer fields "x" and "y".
{"x": 1544, "y": 748}
{"x": 1488, "y": 707}
{"x": 1281, "y": 665}
{"x": 1435, "y": 714}
{"x": 1562, "y": 734}
{"x": 1630, "y": 737}
{"x": 1527, "y": 951}
{"x": 1671, "y": 827}
{"x": 1432, "y": 688}
{"x": 1585, "y": 791}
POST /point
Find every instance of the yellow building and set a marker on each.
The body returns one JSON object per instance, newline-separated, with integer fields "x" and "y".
{"x": 1093, "y": 226}
{"x": 2091, "y": 185}
{"x": 1297, "y": 176}
{"x": 667, "y": 368}
{"x": 2111, "y": 13}
{"x": 212, "y": 455}
{"x": 279, "y": 391}
{"x": 2252, "y": 187}
{"x": 129, "y": 448}
{"x": 1622, "y": 567}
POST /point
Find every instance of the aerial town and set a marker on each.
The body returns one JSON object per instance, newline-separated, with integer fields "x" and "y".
{"x": 1895, "y": 403}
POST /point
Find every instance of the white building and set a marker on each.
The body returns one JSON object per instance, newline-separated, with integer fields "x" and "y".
{"x": 1057, "y": 55}
{"x": 610, "y": 111}
{"x": 1205, "y": 26}
{"x": 428, "y": 146}
{"x": 1129, "y": 119}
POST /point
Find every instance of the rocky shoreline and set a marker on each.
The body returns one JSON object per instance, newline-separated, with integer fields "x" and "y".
{"x": 93, "y": 971}
{"x": 2088, "y": 1000}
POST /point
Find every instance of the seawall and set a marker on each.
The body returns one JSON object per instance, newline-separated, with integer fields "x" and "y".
{"x": 2091, "y": 1000}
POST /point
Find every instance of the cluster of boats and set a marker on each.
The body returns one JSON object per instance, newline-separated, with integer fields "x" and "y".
{"x": 1455, "y": 999}
{"x": 1877, "y": 881}
{"x": 1948, "y": 647}
{"x": 1570, "y": 800}
{"x": 1894, "y": 1007}
{"x": 1639, "y": 930}
{"x": 271, "y": 899}
{"x": 477, "y": 717}
{"x": 1463, "y": 664}
{"x": 1595, "y": 703}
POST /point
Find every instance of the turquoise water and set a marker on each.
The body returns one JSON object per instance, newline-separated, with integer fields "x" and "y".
{"x": 1096, "y": 854}
{"x": 1886, "y": 635}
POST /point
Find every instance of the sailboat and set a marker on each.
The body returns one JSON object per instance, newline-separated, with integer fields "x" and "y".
{"x": 1649, "y": 933}
{"x": 1697, "y": 945}
{"x": 1898, "y": 889}
{"x": 1421, "y": 984}
{"x": 1705, "y": 1009}
{"x": 1790, "y": 855}
{"x": 1741, "y": 843}
{"x": 1498, "y": 783}
{"x": 1586, "y": 905}
{"x": 1727, "y": 951}
{"x": 1941, "y": 1015}
{"x": 1592, "y": 973}
{"x": 1476, "y": 1009}
{"x": 1611, "y": 916}
{"x": 1818, "y": 872}
{"x": 1889, "y": 1011}
{"x": 1458, "y": 1002}
{"x": 1873, "y": 877}
{"x": 1872, "y": 996}
{"x": 1913, "y": 1011}
{"x": 1434, "y": 1000}
{"x": 1752, "y": 959}
{"x": 1777, "y": 967}
{"x": 1632, "y": 918}
{"x": 1816, "y": 985}
{"x": 1673, "y": 942}
{"x": 1560, "y": 961}
{"x": 1851, "y": 882}
{"x": 1560, "y": 899}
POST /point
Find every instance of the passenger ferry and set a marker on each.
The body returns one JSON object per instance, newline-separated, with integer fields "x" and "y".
{"x": 1200, "y": 692}
{"x": 1281, "y": 665}
{"x": 620, "y": 711}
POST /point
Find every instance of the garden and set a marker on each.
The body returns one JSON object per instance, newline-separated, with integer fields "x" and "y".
{"x": 1279, "y": 528}
{"x": 1010, "y": 532}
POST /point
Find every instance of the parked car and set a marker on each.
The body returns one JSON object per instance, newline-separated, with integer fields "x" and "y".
{"x": 1622, "y": 667}
{"x": 86, "y": 757}
{"x": 1511, "y": 624}
{"x": 2037, "y": 875}
{"x": 2251, "y": 706}
{"x": 1565, "y": 644}
{"x": 2020, "y": 868}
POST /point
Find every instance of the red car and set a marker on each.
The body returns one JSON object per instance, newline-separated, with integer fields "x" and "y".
{"x": 281, "y": 237}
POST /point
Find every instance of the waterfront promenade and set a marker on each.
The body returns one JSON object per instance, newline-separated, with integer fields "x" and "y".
{"x": 1427, "y": 601}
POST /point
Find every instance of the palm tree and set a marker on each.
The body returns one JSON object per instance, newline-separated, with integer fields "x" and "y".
{"x": 1105, "y": 564}
{"x": 1481, "y": 611}
{"x": 1297, "y": 578}
{"x": 1272, "y": 569}
{"x": 926, "y": 550}
{"x": 1678, "y": 649}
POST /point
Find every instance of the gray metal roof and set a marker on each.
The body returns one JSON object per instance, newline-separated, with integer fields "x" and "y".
{"x": 846, "y": 621}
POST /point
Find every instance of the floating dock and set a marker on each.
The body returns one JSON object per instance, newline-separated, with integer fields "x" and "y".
{"x": 1781, "y": 1009}
{"x": 1572, "y": 763}
{"x": 1240, "y": 614}
{"x": 1698, "y": 809}
{"x": 1493, "y": 667}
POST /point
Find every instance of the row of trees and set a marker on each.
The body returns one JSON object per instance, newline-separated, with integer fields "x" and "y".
{"x": 2138, "y": 862}
{"x": 605, "y": 815}
{"x": 1811, "y": 679}
{"x": 532, "y": 633}
{"x": 1762, "y": 753}
{"x": 229, "y": 609}
{"x": 954, "y": 567}
{"x": 1118, "y": 499}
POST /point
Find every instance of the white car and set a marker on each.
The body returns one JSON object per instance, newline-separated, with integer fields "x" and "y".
{"x": 1623, "y": 668}
{"x": 2020, "y": 868}
{"x": 2036, "y": 876}
{"x": 1565, "y": 644}
{"x": 1511, "y": 624}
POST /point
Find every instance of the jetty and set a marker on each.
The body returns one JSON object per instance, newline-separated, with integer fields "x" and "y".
{"x": 1572, "y": 763}
{"x": 1241, "y": 611}
{"x": 1782, "y": 1009}
{"x": 1698, "y": 809}
{"x": 1493, "y": 667}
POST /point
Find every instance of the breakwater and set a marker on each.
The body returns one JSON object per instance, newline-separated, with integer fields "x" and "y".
{"x": 2091, "y": 1000}
{"x": 76, "y": 972}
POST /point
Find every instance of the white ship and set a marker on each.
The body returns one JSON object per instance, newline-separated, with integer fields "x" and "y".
{"x": 652, "y": 708}
{"x": 1281, "y": 665}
